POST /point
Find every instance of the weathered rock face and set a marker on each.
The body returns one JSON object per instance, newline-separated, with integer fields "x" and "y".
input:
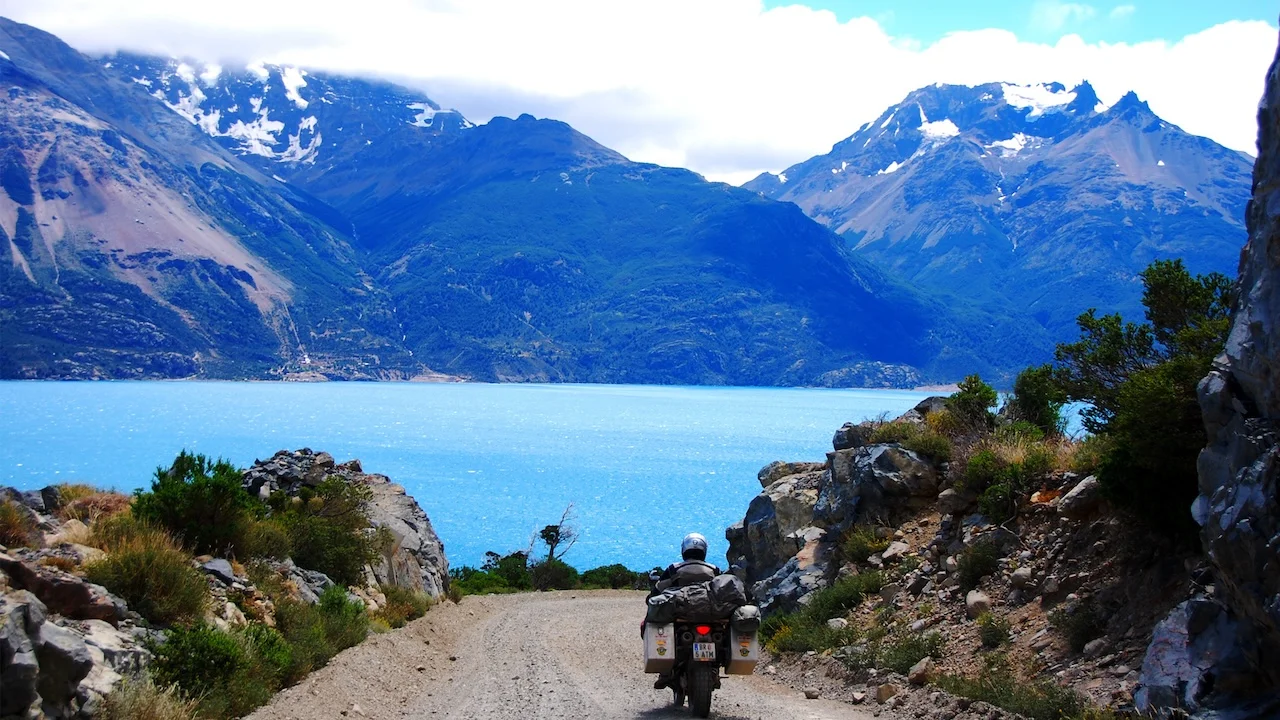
{"x": 768, "y": 534}
{"x": 867, "y": 478}
{"x": 415, "y": 560}
{"x": 62, "y": 592}
{"x": 1238, "y": 505}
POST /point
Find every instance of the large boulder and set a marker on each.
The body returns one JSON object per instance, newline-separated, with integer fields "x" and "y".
{"x": 767, "y": 538}
{"x": 1238, "y": 506}
{"x": 21, "y": 615}
{"x": 63, "y": 593}
{"x": 875, "y": 476}
{"x": 415, "y": 559}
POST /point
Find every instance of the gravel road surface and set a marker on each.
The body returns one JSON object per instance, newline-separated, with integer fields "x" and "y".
{"x": 534, "y": 655}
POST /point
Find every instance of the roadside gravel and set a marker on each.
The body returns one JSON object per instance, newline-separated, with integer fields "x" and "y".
{"x": 533, "y": 655}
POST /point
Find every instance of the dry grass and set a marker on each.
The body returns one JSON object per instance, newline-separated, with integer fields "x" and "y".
{"x": 149, "y": 570}
{"x": 64, "y": 564}
{"x": 17, "y": 528}
{"x": 70, "y": 492}
{"x": 141, "y": 699}
{"x": 95, "y": 506}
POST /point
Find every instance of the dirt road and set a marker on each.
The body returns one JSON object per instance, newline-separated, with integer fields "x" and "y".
{"x": 536, "y": 655}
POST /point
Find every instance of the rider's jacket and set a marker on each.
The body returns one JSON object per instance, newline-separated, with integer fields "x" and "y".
{"x": 687, "y": 572}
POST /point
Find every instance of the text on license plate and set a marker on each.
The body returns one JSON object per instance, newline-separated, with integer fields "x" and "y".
{"x": 704, "y": 651}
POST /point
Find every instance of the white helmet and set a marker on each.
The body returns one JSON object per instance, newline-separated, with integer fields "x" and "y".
{"x": 693, "y": 543}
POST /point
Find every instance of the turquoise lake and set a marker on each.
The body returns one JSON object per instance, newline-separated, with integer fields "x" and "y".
{"x": 490, "y": 464}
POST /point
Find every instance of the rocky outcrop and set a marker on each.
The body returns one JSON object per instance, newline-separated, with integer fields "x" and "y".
{"x": 62, "y": 592}
{"x": 1238, "y": 507}
{"x": 784, "y": 544}
{"x": 415, "y": 559}
{"x": 55, "y": 667}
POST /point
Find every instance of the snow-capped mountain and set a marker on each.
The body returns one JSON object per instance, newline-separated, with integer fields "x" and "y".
{"x": 1029, "y": 198}
{"x": 283, "y": 113}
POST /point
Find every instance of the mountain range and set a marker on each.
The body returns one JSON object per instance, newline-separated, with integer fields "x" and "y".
{"x": 168, "y": 218}
{"x": 1038, "y": 199}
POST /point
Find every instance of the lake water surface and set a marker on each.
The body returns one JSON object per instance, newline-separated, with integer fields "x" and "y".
{"x": 490, "y": 464}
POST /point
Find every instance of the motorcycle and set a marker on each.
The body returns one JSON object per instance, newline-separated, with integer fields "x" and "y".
{"x": 691, "y": 653}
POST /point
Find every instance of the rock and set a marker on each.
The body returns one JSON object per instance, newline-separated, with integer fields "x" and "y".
{"x": 917, "y": 584}
{"x": 920, "y": 672}
{"x": 1083, "y": 500}
{"x": 869, "y": 479}
{"x": 885, "y": 691}
{"x": 890, "y": 591}
{"x": 858, "y": 697}
{"x": 1021, "y": 577}
{"x": 776, "y": 470}
{"x": 951, "y": 502}
{"x": 64, "y": 662}
{"x": 850, "y": 436}
{"x": 21, "y": 615}
{"x": 976, "y": 603}
{"x": 1095, "y": 647}
{"x": 768, "y": 537}
{"x": 895, "y": 552}
{"x": 1198, "y": 646}
{"x": 62, "y": 592}
{"x": 811, "y": 693}
{"x": 220, "y": 569}
{"x": 837, "y": 623}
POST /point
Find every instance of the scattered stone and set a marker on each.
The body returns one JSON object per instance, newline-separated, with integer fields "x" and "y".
{"x": 1021, "y": 577}
{"x": 811, "y": 693}
{"x": 885, "y": 691}
{"x": 220, "y": 569}
{"x": 1082, "y": 500}
{"x": 1095, "y": 647}
{"x": 837, "y": 623}
{"x": 952, "y": 502}
{"x": 895, "y": 551}
{"x": 858, "y": 697}
{"x": 976, "y": 603}
{"x": 920, "y": 672}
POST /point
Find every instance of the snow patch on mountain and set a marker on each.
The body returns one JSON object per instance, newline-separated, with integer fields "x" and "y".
{"x": 186, "y": 72}
{"x": 893, "y": 168}
{"x": 293, "y": 78}
{"x": 5, "y": 55}
{"x": 426, "y": 115}
{"x": 1015, "y": 144}
{"x": 782, "y": 178}
{"x": 939, "y": 130}
{"x": 260, "y": 69}
{"x": 1040, "y": 98}
{"x": 209, "y": 76}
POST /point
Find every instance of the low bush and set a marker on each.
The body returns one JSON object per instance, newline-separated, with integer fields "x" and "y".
{"x": 972, "y": 402}
{"x": 976, "y": 562}
{"x": 17, "y": 527}
{"x": 614, "y": 576}
{"x": 993, "y": 630}
{"x": 201, "y": 502}
{"x": 1078, "y": 624}
{"x": 899, "y": 652}
{"x": 1087, "y": 454}
{"x": 1038, "y": 400}
{"x": 328, "y": 529}
{"x": 553, "y": 574}
{"x": 944, "y": 422}
{"x": 318, "y": 632}
{"x": 998, "y": 502}
{"x": 402, "y": 605}
{"x": 64, "y": 564}
{"x": 920, "y": 439}
{"x": 140, "y": 698}
{"x": 71, "y": 492}
{"x": 807, "y": 628}
{"x": 267, "y": 539}
{"x": 998, "y": 684}
{"x": 861, "y": 542}
{"x": 149, "y": 572}
{"x": 94, "y": 506}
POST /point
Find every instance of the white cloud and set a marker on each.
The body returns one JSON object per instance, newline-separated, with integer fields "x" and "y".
{"x": 1050, "y": 16}
{"x": 720, "y": 86}
{"x": 1121, "y": 12}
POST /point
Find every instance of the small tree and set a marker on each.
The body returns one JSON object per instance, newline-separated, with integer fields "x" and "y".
{"x": 972, "y": 401}
{"x": 1038, "y": 399}
{"x": 562, "y": 533}
{"x": 200, "y": 501}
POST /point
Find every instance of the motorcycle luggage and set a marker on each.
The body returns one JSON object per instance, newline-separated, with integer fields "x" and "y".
{"x": 728, "y": 591}
{"x": 661, "y": 610}
{"x": 746, "y": 618}
{"x": 659, "y": 647}
{"x": 744, "y": 651}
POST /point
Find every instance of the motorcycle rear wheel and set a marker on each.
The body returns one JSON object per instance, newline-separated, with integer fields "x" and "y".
{"x": 702, "y": 680}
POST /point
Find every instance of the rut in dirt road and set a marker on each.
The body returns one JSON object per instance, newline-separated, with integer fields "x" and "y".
{"x": 536, "y": 655}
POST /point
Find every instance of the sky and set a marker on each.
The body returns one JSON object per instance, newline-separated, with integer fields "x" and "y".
{"x": 727, "y": 88}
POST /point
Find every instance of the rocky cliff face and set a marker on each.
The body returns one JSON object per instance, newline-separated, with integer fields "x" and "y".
{"x": 415, "y": 560}
{"x": 1238, "y": 506}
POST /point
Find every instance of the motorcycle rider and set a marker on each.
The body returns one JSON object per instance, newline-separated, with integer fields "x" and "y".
{"x": 692, "y": 569}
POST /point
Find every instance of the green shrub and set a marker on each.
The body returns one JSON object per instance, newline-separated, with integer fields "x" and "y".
{"x": 984, "y": 469}
{"x": 894, "y": 432}
{"x": 139, "y": 698}
{"x": 267, "y": 539}
{"x": 972, "y": 402}
{"x": 976, "y": 562}
{"x": 1087, "y": 455}
{"x": 792, "y": 634}
{"x": 199, "y": 501}
{"x": 843, "y": 595}
{"x": 203, "y": 661}
{"x": 930, "y": 445}
{"x": 997, "y": 684}
{"x": 998, "y": 502}
{"x": 807, "y": 629}
{"x": 993, "y": 630}
{"x": 149, "y": 572}
{"x": 318, "y": 632}
{"x": 901, "y": 651}
{"x": 1078, "y": 624}
{"x": 270, "y": 652}
{"x": 1038, "y": 400}
{"x": 1020, "y": 430}
{"x": 402, "y": 605}
{"x": 553, "y": 574}
{"x": 345, "y": 621}
{"x": 861, "y": 543}
{"x": 614, "y": 576}
{"x": 328, "y": 531}
{"x": 17, "y": 527}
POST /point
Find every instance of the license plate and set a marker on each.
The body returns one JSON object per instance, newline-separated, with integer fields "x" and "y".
{"x": 704, "y": 651}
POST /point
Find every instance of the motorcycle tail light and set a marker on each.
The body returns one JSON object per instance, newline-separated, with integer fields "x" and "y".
{"x": 703, "y": 629}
